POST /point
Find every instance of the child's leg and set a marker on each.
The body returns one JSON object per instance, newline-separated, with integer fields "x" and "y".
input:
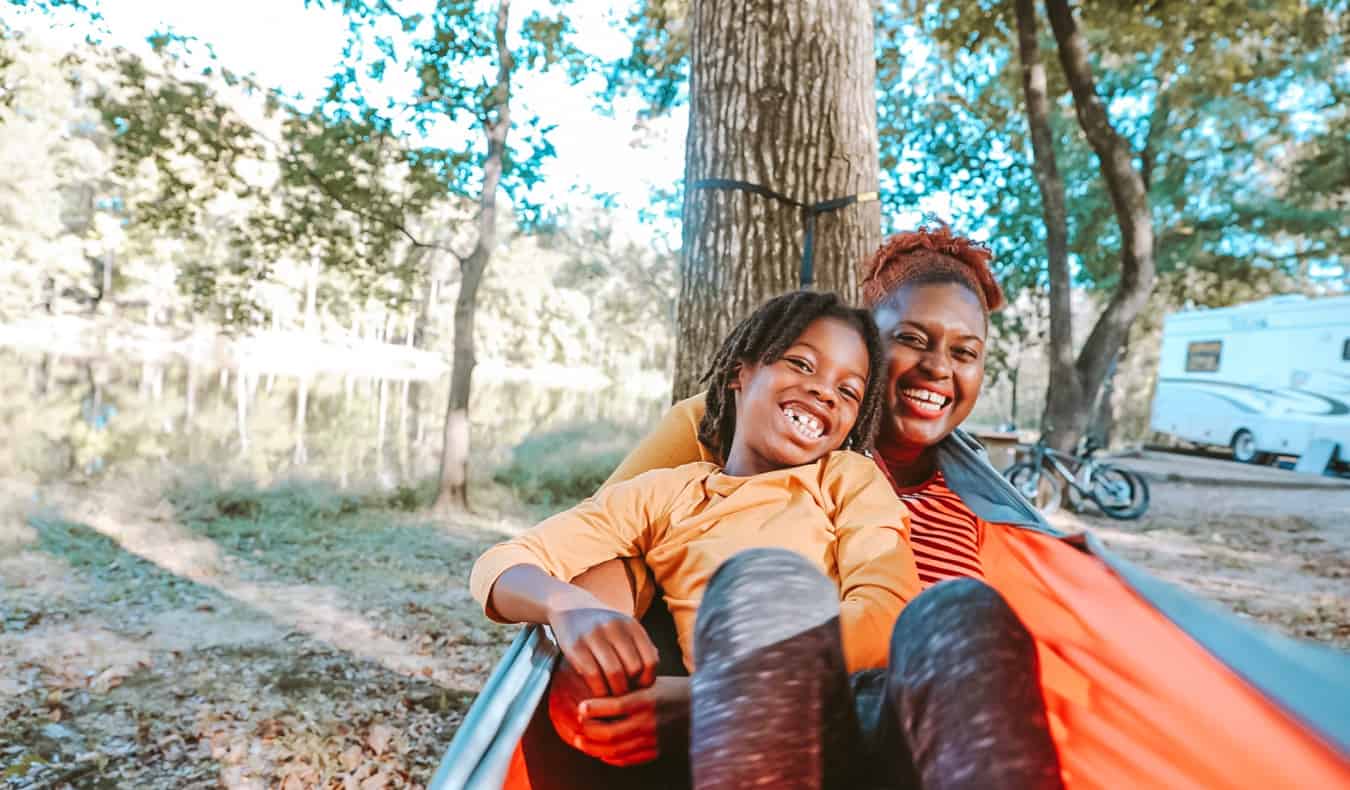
{"x": 771, "y": 699}
{"x": 964, "y": 707}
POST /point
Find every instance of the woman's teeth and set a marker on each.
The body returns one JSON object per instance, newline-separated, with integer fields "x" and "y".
{"x": 926, "y": 400}
{"x": 806, "y": 425}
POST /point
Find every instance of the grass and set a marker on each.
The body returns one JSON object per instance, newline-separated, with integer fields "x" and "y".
{"x": 119, "y": 576}
{"x": 563, "y": 466}
{"x": 305, "y": 531}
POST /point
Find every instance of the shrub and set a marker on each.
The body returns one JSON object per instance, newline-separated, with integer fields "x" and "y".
{"x": 567, "y": 464}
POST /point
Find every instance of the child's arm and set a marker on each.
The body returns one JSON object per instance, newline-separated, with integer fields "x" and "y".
{"x": 877, "y": 574}
{"x": 521, "y": 580}
{"x": 605, "y": 646}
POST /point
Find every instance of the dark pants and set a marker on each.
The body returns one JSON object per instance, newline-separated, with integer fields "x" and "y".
{"x": 960, "y": 705}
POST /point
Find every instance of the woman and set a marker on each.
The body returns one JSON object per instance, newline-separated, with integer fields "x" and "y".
{"x": 965, "y": 707}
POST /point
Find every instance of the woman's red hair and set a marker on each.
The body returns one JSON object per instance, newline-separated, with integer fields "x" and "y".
{"x": 930, "y": 254}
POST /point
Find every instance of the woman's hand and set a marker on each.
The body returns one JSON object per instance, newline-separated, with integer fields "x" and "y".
{"x": 609, "y": 650}
{"x": 625, "y": 730}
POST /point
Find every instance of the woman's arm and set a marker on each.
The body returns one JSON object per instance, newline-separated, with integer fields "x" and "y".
{"x": 673, "y": 442}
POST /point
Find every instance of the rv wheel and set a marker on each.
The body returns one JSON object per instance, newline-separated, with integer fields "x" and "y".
{"x": 1244, "y": 449}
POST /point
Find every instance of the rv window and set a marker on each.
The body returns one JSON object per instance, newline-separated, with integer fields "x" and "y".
{"x": 1203, "y": 357}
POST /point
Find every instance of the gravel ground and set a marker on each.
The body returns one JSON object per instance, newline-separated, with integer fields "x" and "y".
{"x": 1279, "y": 556}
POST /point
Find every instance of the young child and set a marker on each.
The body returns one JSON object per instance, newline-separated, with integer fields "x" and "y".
{"x": 792, "y": 385}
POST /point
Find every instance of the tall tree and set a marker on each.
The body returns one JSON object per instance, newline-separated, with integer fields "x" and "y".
{"x": 453, "y": 48}
{"x": 495, "y": 119}
{"x": 1065, "y": 420}
{"x": 1065, "y": 389}
{"x": 781, "y": 97}
{"x": 1203, "y": 103}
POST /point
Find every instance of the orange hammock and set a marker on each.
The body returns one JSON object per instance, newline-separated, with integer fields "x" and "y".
{"x": 1146, "y": 686}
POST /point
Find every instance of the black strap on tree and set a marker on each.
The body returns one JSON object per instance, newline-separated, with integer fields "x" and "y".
{"x": 809, "y": 213}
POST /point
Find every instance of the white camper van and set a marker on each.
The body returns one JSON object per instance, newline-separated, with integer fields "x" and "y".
{"x": 1263, "y": 378}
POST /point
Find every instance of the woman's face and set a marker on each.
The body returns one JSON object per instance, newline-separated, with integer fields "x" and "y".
{"x": 934, "y": 335}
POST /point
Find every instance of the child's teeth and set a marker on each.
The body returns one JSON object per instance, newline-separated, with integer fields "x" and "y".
{"x": 805, "y": 424}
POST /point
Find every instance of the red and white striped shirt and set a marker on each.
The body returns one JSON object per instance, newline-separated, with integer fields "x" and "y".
{"x": 945, "y": 534}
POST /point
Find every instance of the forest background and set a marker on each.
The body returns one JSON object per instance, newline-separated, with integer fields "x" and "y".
{"x": 152, "y": 191}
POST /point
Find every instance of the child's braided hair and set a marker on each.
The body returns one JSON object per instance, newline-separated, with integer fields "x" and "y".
{"x": 763, "y": 338}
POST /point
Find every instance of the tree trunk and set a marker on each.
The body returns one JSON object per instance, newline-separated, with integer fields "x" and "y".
{"x": 191, "y": 395}
{"x": 241, "y": 408}
{"x": 311, "y": 317}
{"x": 1064, "y": 418}
{"x": 381, "y": 419}
{"x": 454, "y": 475}
{"x": 1129, "y": 199}
{"x": 1102, "y": 424}
{"x": 782, "y": 95}
{"x": 300, "y": 454}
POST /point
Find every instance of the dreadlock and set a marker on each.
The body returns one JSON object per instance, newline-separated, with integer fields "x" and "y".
{"x": 763, "y": 338}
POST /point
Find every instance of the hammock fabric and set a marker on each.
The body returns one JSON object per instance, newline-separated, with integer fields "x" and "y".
{"x": 1146, "y": 685}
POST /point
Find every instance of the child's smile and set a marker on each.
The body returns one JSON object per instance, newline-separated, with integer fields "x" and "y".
{"x": 808, "y": 422}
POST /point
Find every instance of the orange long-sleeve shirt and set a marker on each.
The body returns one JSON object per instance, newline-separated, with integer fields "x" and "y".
{"x": 839, "y": 513}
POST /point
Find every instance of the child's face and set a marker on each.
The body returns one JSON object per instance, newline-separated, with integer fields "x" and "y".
{"x": 803, "y": 405}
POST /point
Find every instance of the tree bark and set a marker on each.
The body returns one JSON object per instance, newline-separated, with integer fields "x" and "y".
{"x": 782, "y": 95}
{"x": 1129, "y": 199}
{"x": 311, "y": 317}
{"x": 241, "y": 408}
{"x": 1062, "y": 419}
{"x": 454, "y": 475}
{"x": 300, "y": 454}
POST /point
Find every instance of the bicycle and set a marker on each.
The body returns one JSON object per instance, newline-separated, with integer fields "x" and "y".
{"x": 1118, "y": 492}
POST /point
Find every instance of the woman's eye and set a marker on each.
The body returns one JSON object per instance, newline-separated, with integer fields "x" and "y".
{"x": 909, "y": 339}
{"x": 968, "y": 354}
{"x": 850, "y": 393}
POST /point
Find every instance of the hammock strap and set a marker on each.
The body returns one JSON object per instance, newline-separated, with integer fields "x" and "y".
{"x": 809, "y": 213}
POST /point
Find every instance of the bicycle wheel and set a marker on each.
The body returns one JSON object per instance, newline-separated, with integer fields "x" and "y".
{"x": 1120, "y": 493}
{"x": 1039, "y": 486}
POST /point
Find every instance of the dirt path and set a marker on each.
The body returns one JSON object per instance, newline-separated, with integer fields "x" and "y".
{"x": 292, "y": 638}
{"x": 175, "y": 635}
{"x": 1279, "y": 556}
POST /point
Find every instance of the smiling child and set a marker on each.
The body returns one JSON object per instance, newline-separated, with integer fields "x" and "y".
{"x": 794, "y": 398}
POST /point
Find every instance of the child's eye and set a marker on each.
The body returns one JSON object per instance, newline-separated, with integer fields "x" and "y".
{"x": 850, "y": 393}
{"x": 968, "y": 354}
{"x": 909, "y": 338}
{"x": 799, "y": 363}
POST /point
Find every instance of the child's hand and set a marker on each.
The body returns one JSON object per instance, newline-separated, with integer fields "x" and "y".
{"x": 610, "y": 650}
